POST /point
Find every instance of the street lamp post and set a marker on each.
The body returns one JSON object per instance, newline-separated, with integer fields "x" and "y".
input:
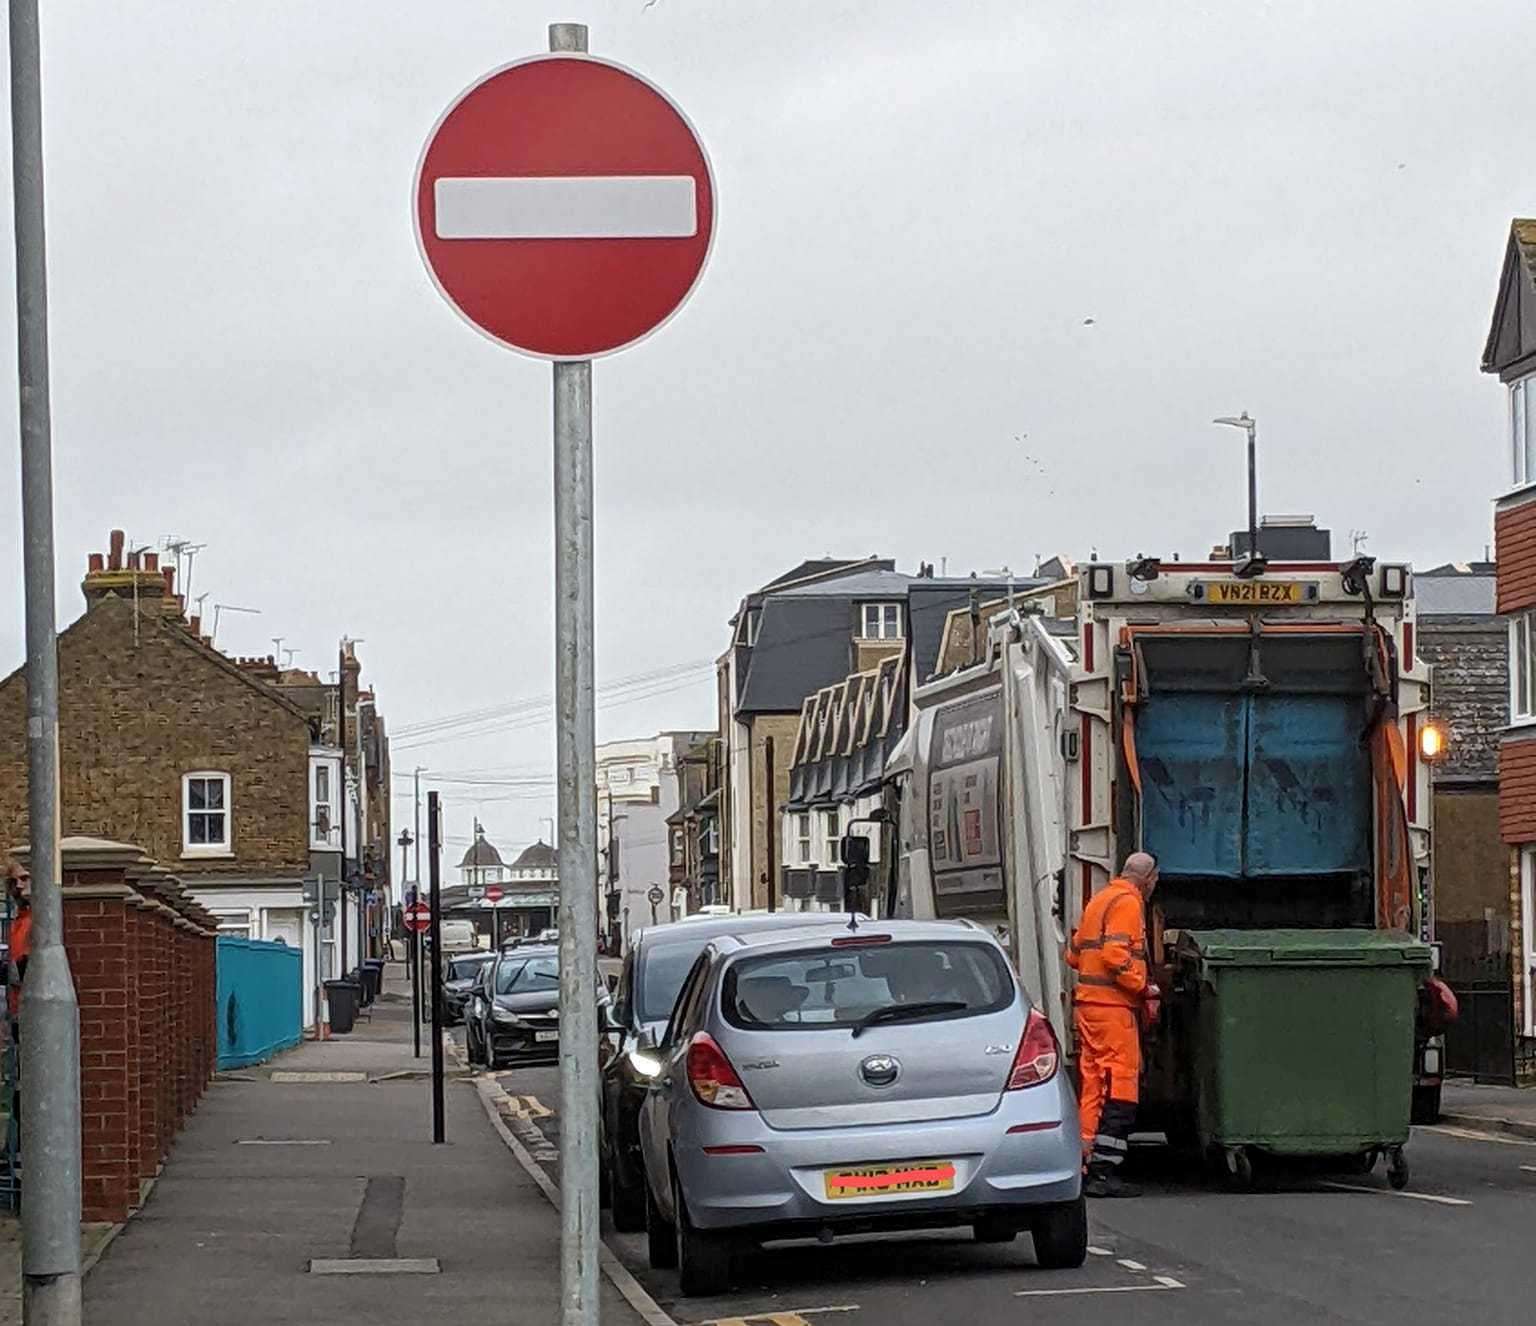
{"x": 1253, "y": 563}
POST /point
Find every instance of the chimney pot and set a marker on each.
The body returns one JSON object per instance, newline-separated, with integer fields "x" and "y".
{"x": 151, "y": 561}
{"x": 195, "y": 625}
{"x": 115, "y": 560}
{"x": 133, "y": 559}
{"x": 97, "y": 562}
{"x": 168, "y": 574}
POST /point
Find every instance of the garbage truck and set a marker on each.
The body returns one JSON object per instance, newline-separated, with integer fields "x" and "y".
{"x": 1257, "y": 728}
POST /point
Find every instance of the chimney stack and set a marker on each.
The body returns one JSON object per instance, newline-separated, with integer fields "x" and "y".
{"x": 141, "y": 578}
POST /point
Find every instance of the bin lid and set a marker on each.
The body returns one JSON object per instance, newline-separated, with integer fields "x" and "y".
{"x": 1245, "y": 948}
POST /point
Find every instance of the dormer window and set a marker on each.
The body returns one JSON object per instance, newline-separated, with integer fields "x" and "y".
{"x": 1522, "y": 430}
{"x": 881, "y": 621}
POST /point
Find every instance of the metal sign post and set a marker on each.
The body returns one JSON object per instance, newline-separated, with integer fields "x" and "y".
{"x": 50, "y": 1047}
{"x": 564, "y": 206}
{"x": 435, "y": 975}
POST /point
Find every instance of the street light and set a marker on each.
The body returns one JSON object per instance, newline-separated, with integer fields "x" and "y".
{"x": 1253, "y": 563}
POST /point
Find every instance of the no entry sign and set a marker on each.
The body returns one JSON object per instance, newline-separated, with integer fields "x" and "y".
{"x": 564, "y": 206}
{"x": 417, "y": 916}
{"x": 494, "y": 893}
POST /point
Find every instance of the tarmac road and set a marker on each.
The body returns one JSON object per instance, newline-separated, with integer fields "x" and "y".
{"x": 1314, "y": 1247}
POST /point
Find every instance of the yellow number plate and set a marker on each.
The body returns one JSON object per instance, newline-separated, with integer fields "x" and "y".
{"x": 1256, "y": 591}
{"x": 887, "y": 1180}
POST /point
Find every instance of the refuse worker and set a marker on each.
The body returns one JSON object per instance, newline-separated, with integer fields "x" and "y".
{"x": 1114, "y": 991}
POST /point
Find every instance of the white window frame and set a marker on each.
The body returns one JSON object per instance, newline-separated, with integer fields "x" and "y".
{"x": 712, "y": 838}
{"x": 330, "y": 838}
{"x": 831, "y": 825}
{"x": 1522, "y": 667}
{"x": 1522, "y": 430}
{"x": 226, "y": 847}
{"x": 1528, "y": 937}
{"x": 880, "y": 621}
{"x": 803, "y": 837}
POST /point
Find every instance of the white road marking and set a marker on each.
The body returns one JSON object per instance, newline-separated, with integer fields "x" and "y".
{"x": 566, "y": 207}
{"x": 1476, "y": 1135}
{"x": 1171, "y": 1283}
{"x": 1100, "y": 1252}
{"x": 1391, "y": 1192}
{"x": 1130, "y": 1265}
{"x": 1530, "y": 1169}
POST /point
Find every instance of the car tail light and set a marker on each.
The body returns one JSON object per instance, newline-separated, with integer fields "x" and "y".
{"x": 1038, "y": 1055}
{"x": 712, "y": 1078}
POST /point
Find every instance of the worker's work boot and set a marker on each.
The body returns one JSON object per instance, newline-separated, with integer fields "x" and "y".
{"x": 1102, "y": 1181}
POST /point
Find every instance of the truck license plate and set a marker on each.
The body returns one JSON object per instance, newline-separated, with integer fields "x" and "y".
{"x": 1258, "y": 591}
{"x": 887, "y": 1180}
{"x": 542, "y": 1036}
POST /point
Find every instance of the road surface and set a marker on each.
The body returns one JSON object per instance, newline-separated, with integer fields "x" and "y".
{"x": 1317, "y": 1248}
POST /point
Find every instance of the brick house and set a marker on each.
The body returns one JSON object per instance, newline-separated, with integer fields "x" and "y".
{"x": 191, "y": 756}
{"x": 1510, "y": 352}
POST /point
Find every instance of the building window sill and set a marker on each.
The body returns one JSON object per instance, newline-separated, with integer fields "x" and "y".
{"x": 1517, "y": 493}
{"x": 207, "y": 853}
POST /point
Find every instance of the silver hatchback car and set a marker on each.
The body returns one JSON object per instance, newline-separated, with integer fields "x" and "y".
{"x": 819, "y": 1081}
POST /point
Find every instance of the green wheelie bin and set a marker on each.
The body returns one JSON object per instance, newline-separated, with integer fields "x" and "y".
{"x": 1300, "y": 1042}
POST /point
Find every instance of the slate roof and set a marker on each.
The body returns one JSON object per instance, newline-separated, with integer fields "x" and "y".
{"x": 1512, "y": 335}
{"x": 1455, "y": 595}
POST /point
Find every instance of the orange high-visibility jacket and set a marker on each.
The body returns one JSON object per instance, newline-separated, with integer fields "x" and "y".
{"x": 1109, "y": 950}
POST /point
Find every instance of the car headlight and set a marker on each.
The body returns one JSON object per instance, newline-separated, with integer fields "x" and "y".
{"x": 645, "y": 1063}
{"x": 505, "y": 1015}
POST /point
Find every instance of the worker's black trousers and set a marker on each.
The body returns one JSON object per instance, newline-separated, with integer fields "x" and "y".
{"x": 1112, "y": 1141}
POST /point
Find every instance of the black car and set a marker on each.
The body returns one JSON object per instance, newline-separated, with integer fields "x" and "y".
{"x": 513, "y": 1009}
{"x": 659, "y": 959}
{"x": 459, "y": 972}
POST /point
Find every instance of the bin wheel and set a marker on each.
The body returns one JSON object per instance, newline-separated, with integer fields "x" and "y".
{"x": 1239, "y": 1168}
{"x": 1362, "y": 1162}
{"x": 1397, "y": 1169}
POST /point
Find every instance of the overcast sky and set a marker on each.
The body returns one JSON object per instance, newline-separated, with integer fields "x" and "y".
{"x": 1295, "y": 209}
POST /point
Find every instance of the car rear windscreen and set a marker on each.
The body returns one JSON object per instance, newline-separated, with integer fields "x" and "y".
{"x": 839, "y": 987}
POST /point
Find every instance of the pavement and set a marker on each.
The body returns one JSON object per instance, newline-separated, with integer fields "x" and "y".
{"x": 323, "y": 1156}
{"x": 1509, "y": 1110}
{"x": 1310, "y": 1245}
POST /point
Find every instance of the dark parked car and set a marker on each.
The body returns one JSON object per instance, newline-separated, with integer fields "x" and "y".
{"x": 513, "y": 1010}
{"x": 459, "y": 972}
{"x": 659, "y": 959}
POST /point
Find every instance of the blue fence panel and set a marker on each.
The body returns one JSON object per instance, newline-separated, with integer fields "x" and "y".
{"x": 261, "y": 986}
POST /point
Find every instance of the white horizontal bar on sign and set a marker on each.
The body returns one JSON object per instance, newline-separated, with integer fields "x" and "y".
{"x": 566, "y": 207}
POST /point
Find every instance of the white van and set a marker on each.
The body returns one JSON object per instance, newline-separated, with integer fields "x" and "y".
{"x": 459, "y": 936}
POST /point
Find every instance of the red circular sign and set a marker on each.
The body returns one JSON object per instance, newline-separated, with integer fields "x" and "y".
{"x": 564, "y": 206}
{"x": 417, "y": 917}
{"x": 493, "y": 893}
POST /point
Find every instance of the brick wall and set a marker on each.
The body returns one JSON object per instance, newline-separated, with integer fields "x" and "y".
{"x": 1514, "y": 533}
{"x": 1517, "y": 787}
{"x": 135, "y": 717}
{"x": 1470, "y": 656}
{"x": 782, "y": 728}
{"x": 142, "y": 956}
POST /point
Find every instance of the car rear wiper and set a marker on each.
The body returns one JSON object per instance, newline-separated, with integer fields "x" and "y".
{"x": 908, "y": 1013}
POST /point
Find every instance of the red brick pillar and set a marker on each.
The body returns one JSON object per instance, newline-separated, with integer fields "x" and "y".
{"x": 95, "y": 938}
{"x": 151, "y": 1004}
{"x": 165, "y": 1068}
{"x": 132, "y": 1040}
